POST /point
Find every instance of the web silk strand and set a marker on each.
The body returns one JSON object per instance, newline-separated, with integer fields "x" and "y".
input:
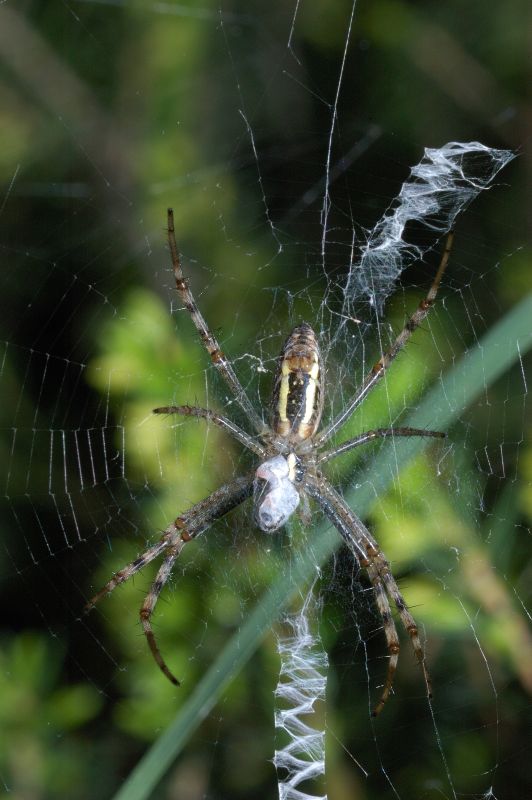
{"x": 438, "y": 189}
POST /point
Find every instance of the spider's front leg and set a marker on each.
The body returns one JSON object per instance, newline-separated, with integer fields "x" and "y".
{"x": 218, "y": 358}
{"x": 150, "y": 601}
{"x": 382, "y": 365}
{"x": 390, "y": 632}
{"x": 406, "y": 617}
{"x": 126, "y": 572}
{"x": 384, "y": 586}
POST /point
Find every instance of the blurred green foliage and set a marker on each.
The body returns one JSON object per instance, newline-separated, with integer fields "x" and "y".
{"x": 44, "y": 750}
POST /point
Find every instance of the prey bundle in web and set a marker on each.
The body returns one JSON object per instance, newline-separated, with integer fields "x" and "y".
{"x": 301, "y": 686}
{"x": 439, "y": 188}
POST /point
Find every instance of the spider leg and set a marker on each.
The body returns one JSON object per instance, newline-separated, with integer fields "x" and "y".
{"x": 186, "y": 527}
{"x": 365, "y": 548}
{"x": 390, "y": 632}
{"x": 386, "y": 359}
{"x": 368, "y": 436}
{"x": 222, "y": 422}
{"x": 356, "y": 535}
{"x": 407, "y": 619}
{"x": 150, "y": 601}
{"x": 191, "y": 524}
{"x": 125, "y": 574}
{"x": 201, "y": 516}
{"x": 210, "y": 342}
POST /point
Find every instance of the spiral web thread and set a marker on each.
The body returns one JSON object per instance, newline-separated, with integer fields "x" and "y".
{"x": 302, "y": 683}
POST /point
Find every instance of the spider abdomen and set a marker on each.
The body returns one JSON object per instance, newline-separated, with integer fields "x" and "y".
{"x": 298, "y": 386}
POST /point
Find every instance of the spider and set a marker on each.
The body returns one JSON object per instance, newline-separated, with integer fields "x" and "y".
{"x": 291, "y": 454}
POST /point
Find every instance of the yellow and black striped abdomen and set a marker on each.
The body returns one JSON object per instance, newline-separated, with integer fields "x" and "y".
{"x": 298, "y": 386}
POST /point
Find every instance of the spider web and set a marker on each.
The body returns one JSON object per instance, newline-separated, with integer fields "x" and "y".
{"x": 286, "y": 180}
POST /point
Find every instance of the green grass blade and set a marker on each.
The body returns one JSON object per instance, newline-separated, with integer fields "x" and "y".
{"x": 500, "y": 349}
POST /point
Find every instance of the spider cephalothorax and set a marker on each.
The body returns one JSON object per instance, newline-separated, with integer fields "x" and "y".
{"x": 291, "y": 452}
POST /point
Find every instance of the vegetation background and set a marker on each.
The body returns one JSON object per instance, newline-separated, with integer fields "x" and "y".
{"x": 112, "y": 111}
